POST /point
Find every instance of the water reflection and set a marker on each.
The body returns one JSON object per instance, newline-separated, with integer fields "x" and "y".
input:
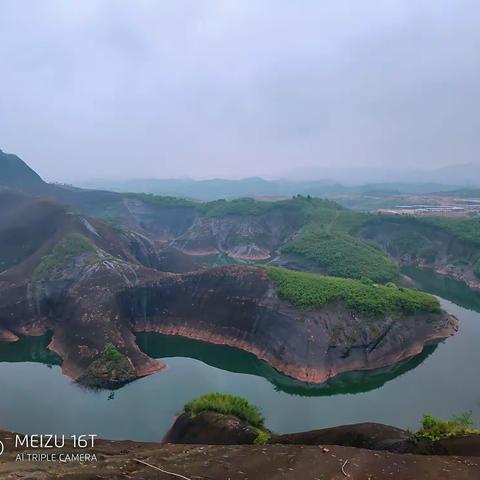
{"x": 229, "y": 359}
{"x": 445, "y": 287}
{"x": 238, "y": 361}
{"x": 29, "y": 349}
{"x": 439, "y": 382}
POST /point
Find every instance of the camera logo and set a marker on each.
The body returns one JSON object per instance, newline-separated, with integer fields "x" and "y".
{"x": 2, "y": 448}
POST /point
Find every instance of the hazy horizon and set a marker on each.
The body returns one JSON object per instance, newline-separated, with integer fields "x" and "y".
{"x": 238, "y": 89}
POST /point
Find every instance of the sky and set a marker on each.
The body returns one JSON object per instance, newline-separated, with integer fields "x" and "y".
{"x": 238, "y": 88}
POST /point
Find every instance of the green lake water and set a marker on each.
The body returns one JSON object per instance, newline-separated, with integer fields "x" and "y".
{"x": 36, "y": 398}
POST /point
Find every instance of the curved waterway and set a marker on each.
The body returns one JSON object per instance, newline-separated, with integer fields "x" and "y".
{"x": 36, "y": 398}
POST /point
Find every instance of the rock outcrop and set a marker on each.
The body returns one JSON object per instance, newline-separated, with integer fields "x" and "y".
{"x": 92, "y": 284}
{"x": 239, "y": 306}
{"x": 372, "y": 436}
{"x": 210, "y": 428}
{"x": 119, "y": 460}
{"x": 243, "y": 237}
{"x": 427, "y": 246}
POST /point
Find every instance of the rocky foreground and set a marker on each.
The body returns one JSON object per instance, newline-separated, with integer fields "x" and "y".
{"x": 123, "y": 460}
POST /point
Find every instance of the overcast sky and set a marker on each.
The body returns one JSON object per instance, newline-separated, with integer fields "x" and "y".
{"x": 152, "y": 88}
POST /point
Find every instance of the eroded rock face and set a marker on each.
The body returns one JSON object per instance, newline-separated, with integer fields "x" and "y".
{"x": 70, "y": 291}
{"x": 91, "y": 284}
{"x": 241, "y": 237}
{"x": 164, "y": 224}
{"x": 238, "y": 306}
{"x": 425, "y": 246}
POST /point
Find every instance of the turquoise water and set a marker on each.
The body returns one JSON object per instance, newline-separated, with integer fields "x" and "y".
{"x": 36, "y": 398}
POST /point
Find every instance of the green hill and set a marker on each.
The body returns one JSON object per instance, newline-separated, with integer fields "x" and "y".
{"x": 312, "y": 291}
{"x": 15, "y": 173}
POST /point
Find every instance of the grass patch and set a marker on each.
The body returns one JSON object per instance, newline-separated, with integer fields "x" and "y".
{"x": 111, "y": 353}
{"x": 342, "y": 255}
{"x": 263, "y": 437}
{"x": 228, "y": 405}
{"x": 435, "y": 429}
{"x": 71, "y": 246}
{"x": 310, "y": 291}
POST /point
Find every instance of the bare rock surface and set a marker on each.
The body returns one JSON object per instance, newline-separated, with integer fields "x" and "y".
{"x": 118, "y": 460}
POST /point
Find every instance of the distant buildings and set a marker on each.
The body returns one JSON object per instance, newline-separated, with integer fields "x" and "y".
{"x": 465, "y": 207}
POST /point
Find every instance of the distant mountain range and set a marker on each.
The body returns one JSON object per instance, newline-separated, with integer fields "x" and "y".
{"x": 95, "y": 267}
{"x": 206, "y": 190}
{"x": 15, "y": 173}
{"x": 465, "y": 175}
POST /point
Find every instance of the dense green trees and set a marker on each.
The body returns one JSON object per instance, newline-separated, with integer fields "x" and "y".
{"x": 315, "y": 291}
{"x": 344, "y": 256}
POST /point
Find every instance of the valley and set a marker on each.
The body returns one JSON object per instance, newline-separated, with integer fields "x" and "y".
{"x": 143, "y": 263}
{"x": 94, "y": 285}
{"x": 295, "y": 304}
{"x": 239, "y": 240}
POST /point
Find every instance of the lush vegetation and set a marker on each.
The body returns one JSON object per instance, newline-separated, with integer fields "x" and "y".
{"x": 70, "y": 247}
{"x": 303, "y": 206}
{"x": 228, "y": 405}
{"x": 461, "y": 228}
{"x": 111, "y": 353}
{"x": 110, "y": 369}
{"x": 327, "y": 240}
{"x": 435, "y": 429}
{"x": 329, "y": 237}
{"x": 241, "y": 207}
{"x": 424, "y": 238}
{"x": 317, "y": 211}
{"x": 344, "y": 256}
{"x": 464, "y": 229}
{"x": 162, "y": 201}
{"x": 308, "y": 291}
